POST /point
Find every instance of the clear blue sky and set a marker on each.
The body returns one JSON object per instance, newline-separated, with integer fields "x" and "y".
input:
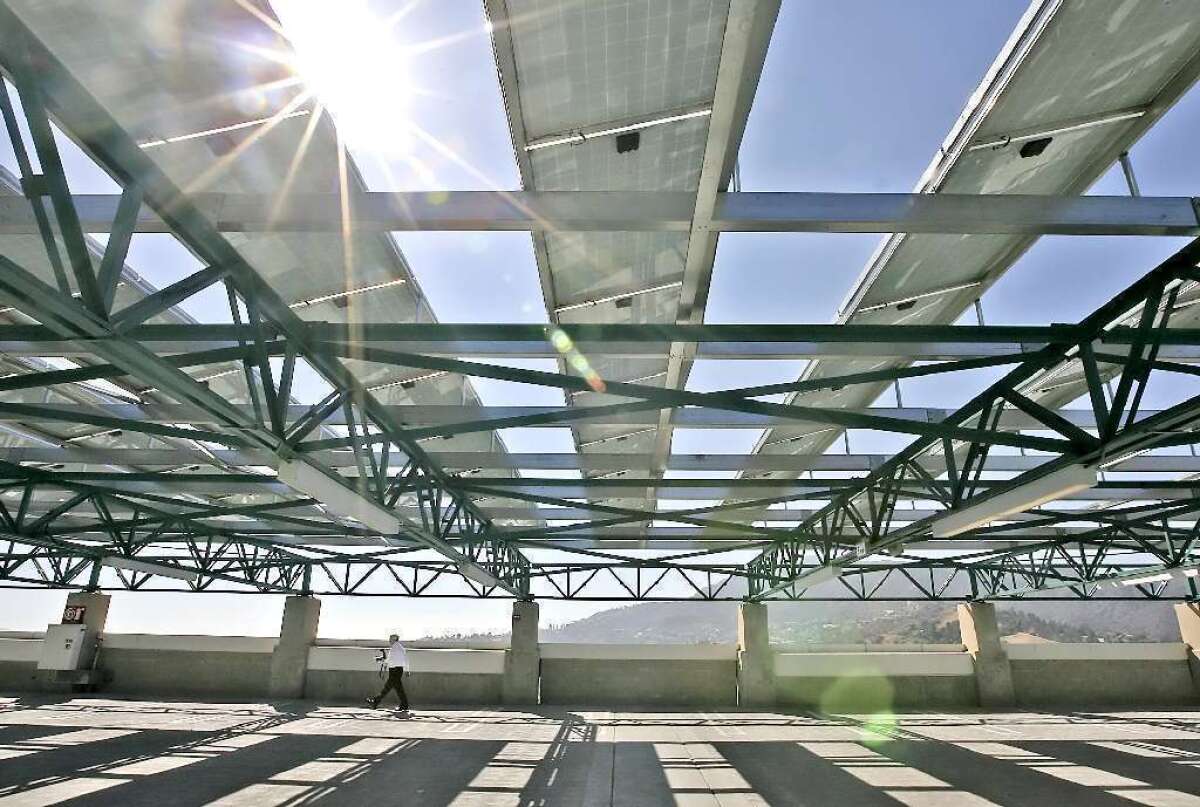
{"x": 855, "y": 96}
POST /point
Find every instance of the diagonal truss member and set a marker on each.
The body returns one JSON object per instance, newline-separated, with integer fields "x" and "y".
{"x": 858, "y": 523}
{"x": 48, "y": 90}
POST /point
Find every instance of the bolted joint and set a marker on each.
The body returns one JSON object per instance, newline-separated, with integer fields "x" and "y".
{"x": 34, "y": 187}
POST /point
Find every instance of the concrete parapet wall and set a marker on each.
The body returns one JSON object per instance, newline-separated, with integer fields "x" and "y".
{"x": 427, "y": 660}
{"x": 876, "y": 694}
{"x": 639, "y": 675}
{"x": 207, "y": 666}
{"x": 839, "y": 677}
{"x": 18, "y": 662}
{"x": 824, "y": 665}
{"x": 439, "y": 675}
{"x": 206, "y": 673}
{"x": 808, "y": 649}
{"x": 874, "y": 681}
{"x": 640, "y": 652}
{"x": 20, "y": 649}
{"x": 18, "y": 676}
{"x": 189, "y": 644}
{"x": 1112, "y": 683}
{"x": 1101, "y": 674}
{"x": 419, "y": 644}
{"x": 423, "y": 688}
{"x": 1109, "y": 651}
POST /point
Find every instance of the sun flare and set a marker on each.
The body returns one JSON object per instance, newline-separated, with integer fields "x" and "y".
{"x": 347, "y": 56}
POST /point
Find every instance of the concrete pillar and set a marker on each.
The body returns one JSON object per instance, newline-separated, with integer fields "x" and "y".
{"x": 755, "y": 662}
{"x": 88, "y": 609}
{"x": 1188, "y": 615}
{"x": 522, "y": 662}
{"x": 981, "y": 635}
{"x": 289, "y": 660}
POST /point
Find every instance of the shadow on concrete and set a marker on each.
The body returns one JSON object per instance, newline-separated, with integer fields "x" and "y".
{"x": 783, "y": 773}
{"x": 55, "y": 763}
{"x": 998, "y": 780}
{"x": 43, "y": 756}
{"x": 115, "y": 705}
{"x": 425, "y": 772}
{"x": 572, "y": 767}
{"x": 216, "y": 777}
{"x": 1159, "y": 767}
{"x": 293, "y": 753}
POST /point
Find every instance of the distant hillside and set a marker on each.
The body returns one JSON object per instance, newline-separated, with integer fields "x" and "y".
{"x": 1132, "y": 619}
{"x": 890, "y": 622}
{"x": 698, "y": 622}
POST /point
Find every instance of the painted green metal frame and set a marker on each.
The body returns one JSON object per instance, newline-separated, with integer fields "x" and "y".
{"x": 55, "y": 541}
{"x": 866, "y": 510}
{"x": 445, "y": 512}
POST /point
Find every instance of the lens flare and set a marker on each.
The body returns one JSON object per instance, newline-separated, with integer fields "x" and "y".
{"x": 349, "y": 60}
{"x": 576, "y": 360}
{"x": 562, "y": 343}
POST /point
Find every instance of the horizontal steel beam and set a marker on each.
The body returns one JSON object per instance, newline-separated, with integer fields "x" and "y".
{"x": 591, "y": 488}
{"x": 906, "y": 351}
{"x": 660, "y": 536}
{"x": 910, "y": 342}
{"x": 811, "y": 487}
{"x": 472, "y": 417}
{"x": 49, "y": 91}
{"x": 765, "y": 462}
{"x": 656, "y": 211}
{"x": 867, "y": 506}
{"x": 32, "y": 563}
{"x": 590, "y": 461}
{"x": 795, "y": 513}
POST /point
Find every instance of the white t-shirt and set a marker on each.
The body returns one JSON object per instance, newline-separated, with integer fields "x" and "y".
{"x": 397, "y": 655}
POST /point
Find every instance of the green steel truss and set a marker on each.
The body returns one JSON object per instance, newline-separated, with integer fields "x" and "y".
{"x": 445, "y": 513}
{"x": 858, "y": 522}
{"x": 200, "y": 497}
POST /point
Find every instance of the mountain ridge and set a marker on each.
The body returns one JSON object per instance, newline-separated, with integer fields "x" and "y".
{"x": 845, "y": 622}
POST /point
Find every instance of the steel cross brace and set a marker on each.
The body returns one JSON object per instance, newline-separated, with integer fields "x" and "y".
{"x": 661, "y": 211}
{"x": 166, "y": 532}
{"x": 30, "y": 562}
{"x": 606, "y": 338}
{"x": 23, "y": 56}
{"x": 1131, "y": 542}
{"x": 157, "y": 526}
{"x": 865, "y": 507}
{"x": 733, "y": 401}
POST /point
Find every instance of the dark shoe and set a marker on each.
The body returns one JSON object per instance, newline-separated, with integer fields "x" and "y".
{"x": 373, "y": 703}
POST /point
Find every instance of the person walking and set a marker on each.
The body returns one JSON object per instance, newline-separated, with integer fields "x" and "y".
{"x": 397, "y": 660}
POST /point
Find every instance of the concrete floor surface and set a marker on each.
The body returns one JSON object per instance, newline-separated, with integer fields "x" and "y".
{"x": 90, "y": 751}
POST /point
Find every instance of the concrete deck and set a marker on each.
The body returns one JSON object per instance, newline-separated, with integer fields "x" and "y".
{"x": 99, "y": 751}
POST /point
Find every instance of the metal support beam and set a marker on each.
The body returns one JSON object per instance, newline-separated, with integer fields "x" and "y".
{"x": 590, "y": 462}
{"x": 26, "y": 563}
{"x": 614, "y": 339}
{"x": 868, "y": 507}
{"x": 444, "y": 511}
{"x": 369, "y": 520}
{"x": 443, "y": 420}
{"x": 998, "y": 343}
{"x": 748, "y": 28}
{"x": 652, "y": 211}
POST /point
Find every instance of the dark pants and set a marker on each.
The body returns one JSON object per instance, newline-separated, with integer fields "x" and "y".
{"x": 395, "y": 681}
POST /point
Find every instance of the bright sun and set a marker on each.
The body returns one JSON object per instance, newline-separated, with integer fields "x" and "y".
{"x": 348, "y": 58}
